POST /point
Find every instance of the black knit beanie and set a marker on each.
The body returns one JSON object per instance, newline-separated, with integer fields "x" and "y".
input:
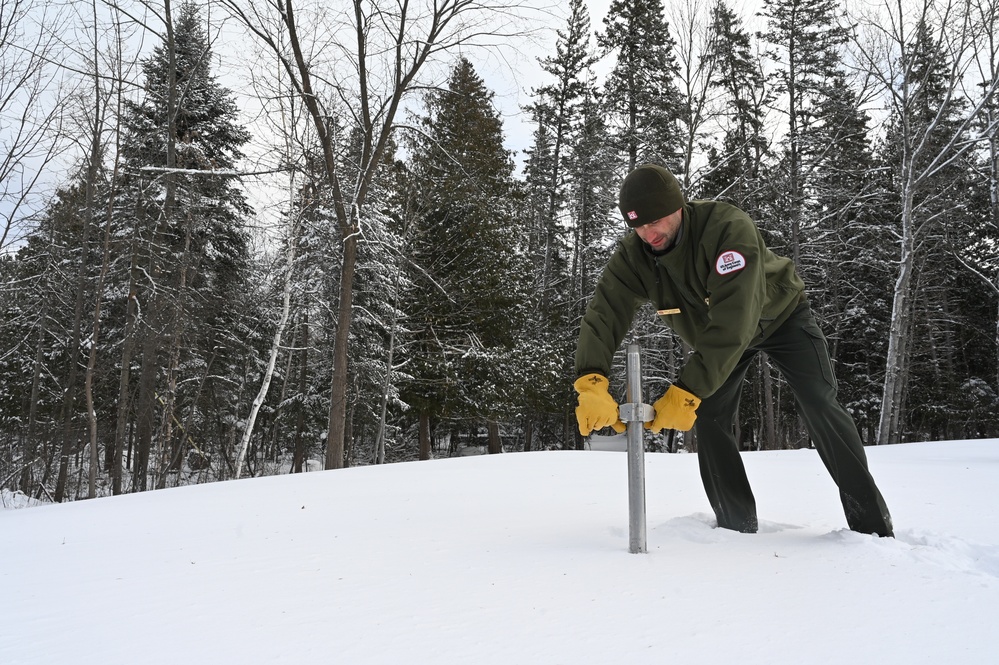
{"x": 649, "y": 193}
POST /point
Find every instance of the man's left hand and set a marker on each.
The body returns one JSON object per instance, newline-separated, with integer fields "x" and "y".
{"x": 677, "y": 409}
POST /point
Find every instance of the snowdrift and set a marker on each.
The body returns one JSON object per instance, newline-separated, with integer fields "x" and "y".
{"x": 516, "y": 558}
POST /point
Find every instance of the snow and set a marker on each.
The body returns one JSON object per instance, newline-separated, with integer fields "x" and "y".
{"x": 514, "y": 558}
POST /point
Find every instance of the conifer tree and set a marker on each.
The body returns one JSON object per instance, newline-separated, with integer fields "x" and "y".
{"x": 465, "y": 306}
{"x": 979, "y": 249}
{"x": 736, "y": 165}
{"x": 41, "y": 352}
{"x": 640, "y": 94}
{"x": 181, "y": 201}
{"x": 556, "y": 113}
{"x": 805, "y": 39}
{"x": 377, "y": 333}
{"x": 559, "y": 199}
{"x": 848, "y": 258}
{"x": 739, "y": 172}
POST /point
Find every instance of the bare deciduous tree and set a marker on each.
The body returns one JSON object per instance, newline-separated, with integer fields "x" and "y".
{"x": 354, "y": 70}
{"x": 30, "y": 118}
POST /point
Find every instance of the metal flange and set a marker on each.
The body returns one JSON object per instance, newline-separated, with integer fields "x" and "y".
{"x": 641, "y": 413}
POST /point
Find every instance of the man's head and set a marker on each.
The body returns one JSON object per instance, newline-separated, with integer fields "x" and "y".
{"x": 648, "y": 194}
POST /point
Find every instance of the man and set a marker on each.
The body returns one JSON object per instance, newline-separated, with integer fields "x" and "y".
{"x": 705, "y": 268}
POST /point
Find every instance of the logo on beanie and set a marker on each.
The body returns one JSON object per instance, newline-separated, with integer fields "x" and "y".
{"x": 632, "y": 215}
{"x": 729, "y": 261}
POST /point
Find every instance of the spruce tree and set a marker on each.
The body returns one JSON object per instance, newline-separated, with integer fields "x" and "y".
{"x": 559, "y": 201}
{"x": 736, "y": 165}
{"x": 593, "y": 170}
{"x": 556, "y": 112}
{"x": 181, "y": 202}
{"x": 640, "y": 93}
{"x": 41, "y": 354}
{"x": 848, "y": 257}
{"x": 805, "y": 39}
{"x": 465, "y": 306}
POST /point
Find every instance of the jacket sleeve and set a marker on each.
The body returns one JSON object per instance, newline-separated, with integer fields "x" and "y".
{"x": 735, "y": 275}
{"x": 619, "y": 294}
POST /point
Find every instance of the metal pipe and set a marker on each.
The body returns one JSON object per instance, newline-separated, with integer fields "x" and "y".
{"x": 637, "y": 414}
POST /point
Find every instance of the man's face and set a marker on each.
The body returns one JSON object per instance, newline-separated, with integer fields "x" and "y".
{"x": 660, "y": 234}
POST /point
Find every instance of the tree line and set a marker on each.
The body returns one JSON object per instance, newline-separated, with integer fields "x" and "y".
{"x": 414, "y": 295}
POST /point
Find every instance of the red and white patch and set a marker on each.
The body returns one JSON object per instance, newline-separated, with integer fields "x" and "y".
{"x": 729, "y": 262}
{"x": 632, "y": 214}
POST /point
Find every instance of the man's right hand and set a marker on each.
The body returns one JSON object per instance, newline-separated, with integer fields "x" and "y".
{"x": 596, "y": 409}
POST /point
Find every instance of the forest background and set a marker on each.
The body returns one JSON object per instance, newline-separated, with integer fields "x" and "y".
{"x": 352, "y": 266}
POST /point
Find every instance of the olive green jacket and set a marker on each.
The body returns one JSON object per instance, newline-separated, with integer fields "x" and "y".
{"x": 719, "y": 288}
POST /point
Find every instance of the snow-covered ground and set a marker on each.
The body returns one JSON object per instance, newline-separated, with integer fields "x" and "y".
{"x": 512, "y": 559}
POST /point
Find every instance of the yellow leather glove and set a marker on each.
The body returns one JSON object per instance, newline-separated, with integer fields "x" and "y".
{"x": 597, "y": 409}
{"x": 674, "y": 410}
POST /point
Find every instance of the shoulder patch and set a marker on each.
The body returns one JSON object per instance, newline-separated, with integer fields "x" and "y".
{"x": 729, "y": 261}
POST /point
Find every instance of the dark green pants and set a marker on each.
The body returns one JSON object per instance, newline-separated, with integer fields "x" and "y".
{"x": 798, "y": 350}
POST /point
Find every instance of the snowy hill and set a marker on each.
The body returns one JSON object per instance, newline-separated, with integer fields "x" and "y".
{"x": 509, "y": 559}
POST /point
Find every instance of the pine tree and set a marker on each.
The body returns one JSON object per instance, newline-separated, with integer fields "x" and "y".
{"x": 558, "y": 198}
{"x": 806, "y": 39}
{"x": 180, "y": 199}
{"x": 736, "y": 166}
{"x": 465, "y": 306}
{"x": 640, "y": 93}
{"x": 847, "y": 254}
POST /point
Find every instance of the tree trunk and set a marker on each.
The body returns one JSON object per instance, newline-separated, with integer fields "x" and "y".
{"x": 424, "y": 435}
{"x": 167, "y": 444}
{"x": 495, "y": 442}
{"x": 124, "y": 378}
{"x": 387, "y": 381}
{"x": 770, "y": 423}
{"x": 338, "y": 389}
{"x": 895, "y": 362}
{"x": 303, "y": 383}
{"x": 88, "y": 383}
{"x": 386, "y": 384}
{"x": 145, "y": 405}
{"x": 794, "y": 157}
{"x": 528, "y": 432}
{"x": 289, "y": 270}
{"x": 92, "y": 172}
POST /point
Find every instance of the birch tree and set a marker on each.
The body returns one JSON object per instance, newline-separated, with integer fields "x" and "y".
{"x": 697, "y": 103}
{"x": 920, "y": 56}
